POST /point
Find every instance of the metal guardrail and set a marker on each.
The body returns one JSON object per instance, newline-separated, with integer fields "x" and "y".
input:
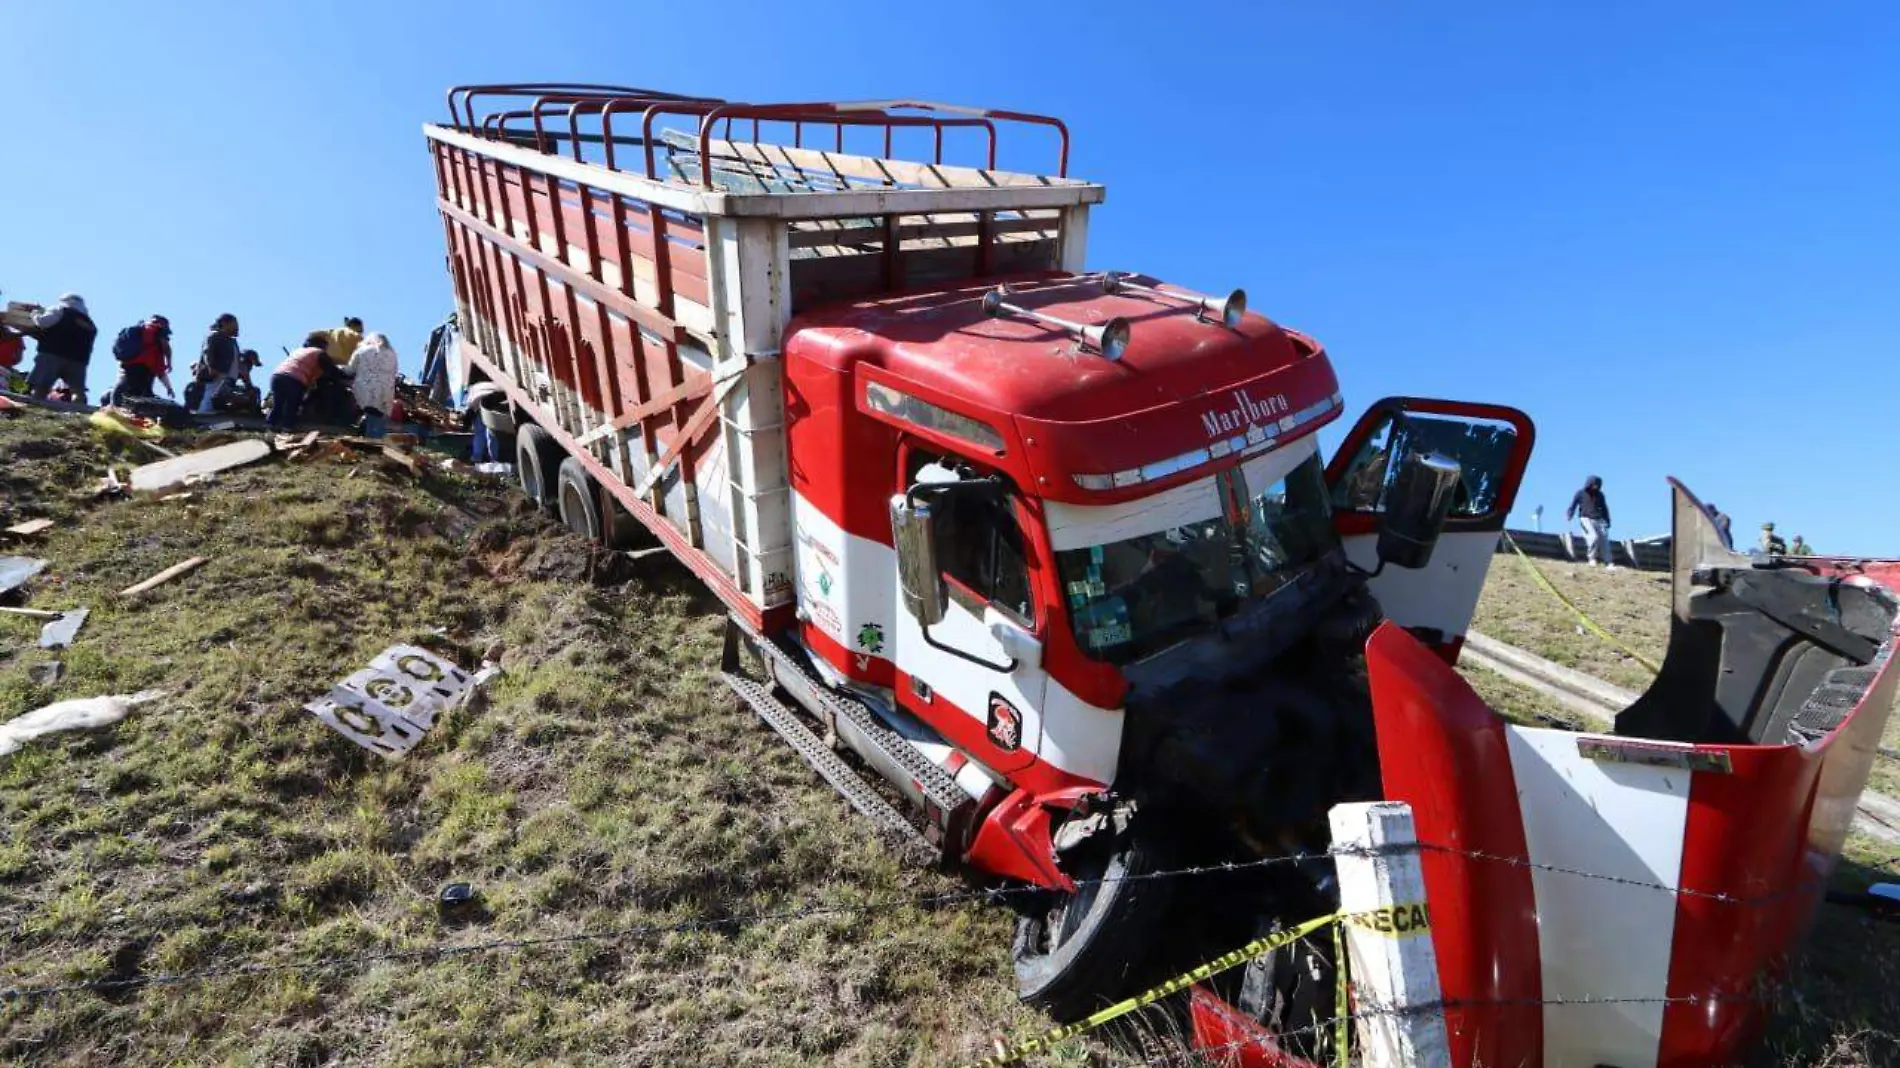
{"x": 1650, "y": 554}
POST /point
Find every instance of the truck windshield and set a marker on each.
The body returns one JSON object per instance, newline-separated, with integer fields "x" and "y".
{"x": 1136, "y": 596}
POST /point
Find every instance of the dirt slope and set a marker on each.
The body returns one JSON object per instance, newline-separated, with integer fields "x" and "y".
{"x": 610, "y": 785}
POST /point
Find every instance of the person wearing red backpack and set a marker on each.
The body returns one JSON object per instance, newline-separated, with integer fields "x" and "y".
{"x": 144, "y": 353}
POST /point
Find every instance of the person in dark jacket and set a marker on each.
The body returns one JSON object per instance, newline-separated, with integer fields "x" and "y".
{"x": 65, "y": 333}
{"x": 1591, "y": 508}
{"x": 153, "y": 363}
{"x": 1721, "y": 521}
{"x": 218, "y": 362}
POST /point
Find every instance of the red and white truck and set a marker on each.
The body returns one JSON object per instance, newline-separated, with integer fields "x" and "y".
{"x": 1054, "y": 553}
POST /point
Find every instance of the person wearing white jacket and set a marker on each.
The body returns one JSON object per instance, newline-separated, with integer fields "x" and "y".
{"x": 373, "y": 371}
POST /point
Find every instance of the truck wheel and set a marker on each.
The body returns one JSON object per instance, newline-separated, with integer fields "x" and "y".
{"x": 574, "y": 491}
{"x": 537, "y": 456}
{"x": 618, "y": 528}
{"x": 1083, "y": 951}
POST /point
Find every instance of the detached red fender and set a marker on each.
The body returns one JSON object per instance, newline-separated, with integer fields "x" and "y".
{"x": 1708, "y": 879}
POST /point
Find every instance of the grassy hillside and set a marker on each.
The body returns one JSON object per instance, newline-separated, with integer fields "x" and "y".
{"x": 1849, "y": 986}
{"x": 610, "y": 784}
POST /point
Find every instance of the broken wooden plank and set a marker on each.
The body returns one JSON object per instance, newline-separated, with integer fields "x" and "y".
{"x": 30, "y": 528}
{"x": 167, "y": 474}
{"x": 292, "y": 443}
{"x": 165, "y": 576}
{"x": 408, "y": 462}
{"x": 30, "y": 613}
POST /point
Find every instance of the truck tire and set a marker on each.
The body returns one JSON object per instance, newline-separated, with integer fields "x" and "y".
{"x": 1085, "y": 951}
{"x": 577, "y": 499}
{"x": 618, "y": 528}
{"x": 537, "y": 457}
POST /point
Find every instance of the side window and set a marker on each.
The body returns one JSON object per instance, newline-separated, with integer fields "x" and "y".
{"x": 980, "y": 547}
{"x": 1482, "y": 448}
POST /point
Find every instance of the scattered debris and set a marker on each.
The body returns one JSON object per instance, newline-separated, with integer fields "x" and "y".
{"x": 15, "y": 570}
{"x": 125, "y": 424}
{"x": 109, "y": 486}
{"x": 402, "y": 441}
{"x": 60, "y": 626}
{"x": 86, "y": 713}
{"x": 499, "y": 469}
{"x": 407, "y": 461}
{"x": 168, "y": 474}
{"x": 457, "y": 895}
{"x": 291, "y": 443}
{"x": 45, "y": 674}
{"x": 165, "y": 576}
{"x": 387, "y": 707}
{"x": 30, "y": 528}
{"x": 178, "y": 496}
{"x": 59, "y": 632}
{"x": 8, "y": 404}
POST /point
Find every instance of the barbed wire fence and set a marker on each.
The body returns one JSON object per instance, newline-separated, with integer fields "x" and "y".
{"x": 13, "y": 998}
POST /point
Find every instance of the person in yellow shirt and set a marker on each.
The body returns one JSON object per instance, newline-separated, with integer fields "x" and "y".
{"x": 341, "y": 342}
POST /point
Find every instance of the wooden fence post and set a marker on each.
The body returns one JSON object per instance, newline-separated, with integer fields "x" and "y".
{"x": 1393, "y": 965}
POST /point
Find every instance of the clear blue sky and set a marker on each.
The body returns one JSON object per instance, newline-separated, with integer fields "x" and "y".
{"x": 1668, "y": 231}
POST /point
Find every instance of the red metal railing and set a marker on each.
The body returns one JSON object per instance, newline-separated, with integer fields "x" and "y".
{"x": 604, "y": 101}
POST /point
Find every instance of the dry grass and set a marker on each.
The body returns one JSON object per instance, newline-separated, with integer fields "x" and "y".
{"x": 1844, "y": 1009}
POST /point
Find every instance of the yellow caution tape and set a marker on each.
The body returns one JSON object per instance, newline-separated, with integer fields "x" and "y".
{"x": 1394, "y": 921}
{"x": 1342, "y": 1007}
{"x": 1173, "y": 986}
{"x": 1580, "y": 614}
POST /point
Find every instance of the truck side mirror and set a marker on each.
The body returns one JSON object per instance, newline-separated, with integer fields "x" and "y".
{"x": 925, "y": 597}
{"x": 1416, "y": 507}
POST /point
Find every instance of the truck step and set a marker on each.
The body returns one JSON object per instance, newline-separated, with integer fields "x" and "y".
{"x": 939, "y": 789}
{"x": 780, "y": 717}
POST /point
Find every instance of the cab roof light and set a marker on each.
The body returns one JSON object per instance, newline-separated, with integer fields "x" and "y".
{"x": 1226, "y": 310}
{"x": 1109, "y": 338}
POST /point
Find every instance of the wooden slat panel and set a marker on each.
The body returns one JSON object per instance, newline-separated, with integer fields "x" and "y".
{"x": 889, "y": 171}
{"x": 966, "y": 225}
{"x": 823, "y": 280}
{"x": 602, "y": 293}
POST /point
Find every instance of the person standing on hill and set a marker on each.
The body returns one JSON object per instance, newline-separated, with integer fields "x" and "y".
{"x": 1592, "y": 509}
{"x": 1771, "y": 542}
{"x": 1800, "y": 547}
{"x": 65, "y": 333}
{"x": 1722, "y": 523}
{"x": 373, "y": 380}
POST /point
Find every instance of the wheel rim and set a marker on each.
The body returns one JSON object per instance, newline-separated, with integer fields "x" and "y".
{"x": 574, "y": 511}
{"x": 1070, "y": 910}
